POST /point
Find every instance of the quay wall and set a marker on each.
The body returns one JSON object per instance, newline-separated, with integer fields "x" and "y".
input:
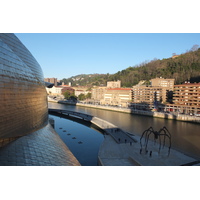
{"x": 178, "y": 117}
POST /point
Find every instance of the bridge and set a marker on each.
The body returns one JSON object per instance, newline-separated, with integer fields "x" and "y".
{"x": 118, "y": 134}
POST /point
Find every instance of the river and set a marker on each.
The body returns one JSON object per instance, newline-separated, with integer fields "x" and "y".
{"x": 185, "y": 135}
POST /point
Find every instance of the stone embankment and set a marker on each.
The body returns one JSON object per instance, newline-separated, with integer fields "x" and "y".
{"x": 178, "y": 117}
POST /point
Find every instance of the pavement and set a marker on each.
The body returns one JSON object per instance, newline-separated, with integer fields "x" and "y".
{"x": 112, "y": 153}
{"x": 120, "y": 136}
{"x": 41, "y": 148}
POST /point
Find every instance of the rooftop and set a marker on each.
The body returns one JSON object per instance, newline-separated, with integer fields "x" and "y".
{"x": 119, "y": 88}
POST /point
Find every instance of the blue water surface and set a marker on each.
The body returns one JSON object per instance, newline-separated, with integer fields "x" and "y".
{"x": 84, "y": 142}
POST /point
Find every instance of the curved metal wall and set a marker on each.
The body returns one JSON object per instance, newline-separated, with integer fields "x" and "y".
{"x": 23, "y": 99}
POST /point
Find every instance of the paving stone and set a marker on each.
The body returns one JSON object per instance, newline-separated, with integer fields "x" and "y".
{"x": 112, "y": 153}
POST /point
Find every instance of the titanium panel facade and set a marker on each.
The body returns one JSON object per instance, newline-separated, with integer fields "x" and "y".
{"x": 23, "y": 102}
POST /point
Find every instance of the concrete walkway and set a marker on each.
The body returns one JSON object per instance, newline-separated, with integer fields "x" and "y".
{"x": 112, "y": 153}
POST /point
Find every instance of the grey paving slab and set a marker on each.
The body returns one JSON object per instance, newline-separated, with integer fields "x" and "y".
{"x": 112, "y": 153}
{"x": 41, "y": 148}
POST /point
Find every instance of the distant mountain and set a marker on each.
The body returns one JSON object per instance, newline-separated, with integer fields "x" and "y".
{"x": 180, "y": 67}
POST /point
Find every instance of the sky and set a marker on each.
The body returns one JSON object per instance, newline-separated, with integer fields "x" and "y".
{"x": 62, "y": 55}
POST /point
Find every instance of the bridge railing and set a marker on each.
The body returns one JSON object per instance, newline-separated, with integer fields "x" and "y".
{"x": 72, "y": 113}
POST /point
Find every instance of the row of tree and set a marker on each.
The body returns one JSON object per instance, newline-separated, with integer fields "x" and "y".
{"x": 81, "y": 97}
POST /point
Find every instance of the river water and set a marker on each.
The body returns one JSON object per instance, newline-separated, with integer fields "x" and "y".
{"x": 185, "y": 135}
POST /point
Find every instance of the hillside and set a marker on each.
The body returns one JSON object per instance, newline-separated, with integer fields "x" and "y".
{"x": 87, "y": 79}
{"x": 182, "y": 67}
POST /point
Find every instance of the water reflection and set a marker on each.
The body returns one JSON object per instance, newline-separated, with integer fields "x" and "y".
{"x": 185, "y": 136}
{"x": 84, "y": 142}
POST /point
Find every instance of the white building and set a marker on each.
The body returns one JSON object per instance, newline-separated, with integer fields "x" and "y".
{"x": 55, "y": 90}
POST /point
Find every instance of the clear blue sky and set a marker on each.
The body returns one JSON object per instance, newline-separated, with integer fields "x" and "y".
{"x": 62, "y": 55}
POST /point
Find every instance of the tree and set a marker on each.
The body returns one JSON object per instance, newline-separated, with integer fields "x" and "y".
{"x": 88, "y": 95}
{"x": 195, "y": 47}
{"x": 73, "y": 98}
{"x": 67, "y": 94}
{"x": 81, "y": 97}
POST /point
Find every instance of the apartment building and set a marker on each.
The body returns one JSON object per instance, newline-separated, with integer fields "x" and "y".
{"x": 52, "y": 80}
{"x": 148, "y": 94}
{"x": 154, "y": 95}
{"x": 162, "y": 82}
{"x": 186, "y": 98}
{"x": 114, "y": 84}
{"x": 117, "y": 97}
{"x": 148, "y": 97}
{"x": 98, "y": 94}
{"x": 80, "y": 90}
{"x": 58, "y": 90}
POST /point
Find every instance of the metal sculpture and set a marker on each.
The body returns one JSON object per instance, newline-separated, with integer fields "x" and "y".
{"x": 163, "y": 132}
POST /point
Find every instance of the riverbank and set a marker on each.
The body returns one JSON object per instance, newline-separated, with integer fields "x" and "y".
{"x": 120, "y": 148}
{"x": 178, "y": 117}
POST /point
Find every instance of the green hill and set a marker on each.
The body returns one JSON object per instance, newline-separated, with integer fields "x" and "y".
{"x": 183, "y": 67}
{"x": 87, "y": 80}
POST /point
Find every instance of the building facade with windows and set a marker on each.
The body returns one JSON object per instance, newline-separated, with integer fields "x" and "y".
{"x": 52, "y": 80}
{"x": 148, "y": 97}
{"x": 59, "y": 90}
{"x": 114, "y": 84}
{"x": 162, "y": 82}
{"x": 98, "y": 94}
{"x": 79, "y": 91}
{"x": 117, "y": 97}
{"x": 144, "y": 94}
{"x": 186, "y": 98}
